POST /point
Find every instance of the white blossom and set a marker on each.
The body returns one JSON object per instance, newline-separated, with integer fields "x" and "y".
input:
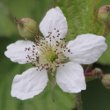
{"x": 53, "y": 53}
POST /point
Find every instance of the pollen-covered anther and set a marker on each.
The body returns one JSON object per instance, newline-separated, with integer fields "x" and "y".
{"x": 67, "y": 50}
{"x": 55, "y": 33}
{"x": 32, "y": 54}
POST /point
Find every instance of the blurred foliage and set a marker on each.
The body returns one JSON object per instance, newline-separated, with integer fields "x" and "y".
{"x": 82, "y": 18}
{"x": 20, "y": 8}
{"x": 96, "y": 97}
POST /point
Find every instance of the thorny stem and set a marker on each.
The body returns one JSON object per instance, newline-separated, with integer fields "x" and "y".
{"x": 79, "y": 105}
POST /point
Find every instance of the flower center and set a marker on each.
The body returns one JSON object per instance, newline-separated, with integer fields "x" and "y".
{"x": 50, "y": 55}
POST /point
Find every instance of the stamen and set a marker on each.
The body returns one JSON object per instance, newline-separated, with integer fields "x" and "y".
{"x": 45, "y": 55}
{"x": 57, "y": 30}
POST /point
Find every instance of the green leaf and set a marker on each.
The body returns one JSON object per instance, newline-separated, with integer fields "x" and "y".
{"x": 80, "y": 16}
{"x": 105, "y": 59}
{"x": 96, "y": 97}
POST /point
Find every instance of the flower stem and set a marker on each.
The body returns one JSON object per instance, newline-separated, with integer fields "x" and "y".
{"x": 55, "y": 3}
{"x": 78, "y": 102}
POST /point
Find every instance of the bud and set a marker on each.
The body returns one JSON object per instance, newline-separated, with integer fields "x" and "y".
{"x": 27, "y": 27}
{"x": 104, "y": 14}
{"x": 106, "y": 81}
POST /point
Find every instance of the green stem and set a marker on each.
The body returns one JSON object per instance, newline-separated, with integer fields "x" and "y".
{"x": 79, "y": 102}
{"x": 54, "y": 3}
{"x": 105, "y": 30}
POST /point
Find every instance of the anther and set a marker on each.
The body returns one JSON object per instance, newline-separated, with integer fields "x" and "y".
{"x": 57, "y": 30}
{"x": 69, "y": 50}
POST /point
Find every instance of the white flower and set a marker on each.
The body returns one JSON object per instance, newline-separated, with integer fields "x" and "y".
{"x": 52, "y": 53}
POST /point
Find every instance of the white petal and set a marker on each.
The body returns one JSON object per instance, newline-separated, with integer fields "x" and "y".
{"x": 70, "y": 78}
{"x": 21, "y": 50}
{"x": 86, "y": 48}
{"x": 29, "y": 84}
{"x": 53, "y": 22}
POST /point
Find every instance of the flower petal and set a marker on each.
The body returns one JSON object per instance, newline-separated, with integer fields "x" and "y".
{"x": 86, "y": 48}
{"x": 29, "y": 84}
{"x": 54, "y": 24}
{"x": 70, "y": 78}
{"x": 22, "y": 51}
